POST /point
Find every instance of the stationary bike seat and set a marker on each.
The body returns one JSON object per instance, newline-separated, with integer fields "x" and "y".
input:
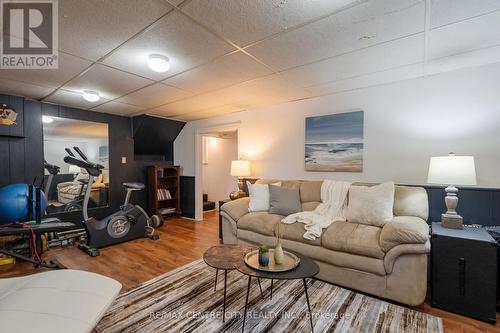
{"x": 134, "y": 186}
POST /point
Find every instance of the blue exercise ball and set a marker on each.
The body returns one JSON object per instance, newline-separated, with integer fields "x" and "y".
{"x": 14, "y": 203}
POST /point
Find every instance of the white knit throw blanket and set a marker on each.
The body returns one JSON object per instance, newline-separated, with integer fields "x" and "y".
{"x": 331, "y": 209}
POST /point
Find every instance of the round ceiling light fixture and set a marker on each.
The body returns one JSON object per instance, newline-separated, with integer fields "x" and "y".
{"x": 158, "y": 63}
{"x": 91, "y": 96}
{"x": 47, "y": 119}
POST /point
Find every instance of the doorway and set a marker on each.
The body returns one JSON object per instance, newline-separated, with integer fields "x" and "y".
{"x": 218, "y": 150}
{"x": 216, "y": 147}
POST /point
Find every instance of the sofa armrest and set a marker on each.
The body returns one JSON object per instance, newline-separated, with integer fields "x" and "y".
{"x": 64, "y": 184}
{"x": 404, "y": 249}
{"x": 403, "y": 230}
{"x": 236, "y": 208}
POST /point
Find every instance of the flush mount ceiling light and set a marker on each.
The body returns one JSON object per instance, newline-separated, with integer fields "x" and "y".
{"x": 47, "y": 119}
{"x": 91, "y": 96}
{"x": 158, "y": 63}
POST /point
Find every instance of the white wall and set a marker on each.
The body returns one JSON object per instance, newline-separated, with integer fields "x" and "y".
{"x": 217, "y": 182}
{"x": 406, "y": 123}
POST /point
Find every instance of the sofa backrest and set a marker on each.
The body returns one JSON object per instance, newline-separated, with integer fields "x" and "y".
{"x": 408, "y": 200}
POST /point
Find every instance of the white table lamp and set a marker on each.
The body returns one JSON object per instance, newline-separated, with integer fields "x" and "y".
{"x": 452, "y": 170}
{"x": 240, "y": 169}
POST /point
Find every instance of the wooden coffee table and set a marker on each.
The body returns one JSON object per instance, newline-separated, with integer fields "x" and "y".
{"x": 306, "y": 269}
{"x": 226, "y": 257}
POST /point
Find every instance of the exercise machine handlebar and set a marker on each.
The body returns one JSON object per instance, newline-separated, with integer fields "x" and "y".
{"x": 93, "y": 169}
{"x": 78, "y": 150}
{"x": 51, "y": 168}
{"x": 70, "y": 153}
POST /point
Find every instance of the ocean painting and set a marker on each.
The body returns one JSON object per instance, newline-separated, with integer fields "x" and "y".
{"x": 335, "y": 142}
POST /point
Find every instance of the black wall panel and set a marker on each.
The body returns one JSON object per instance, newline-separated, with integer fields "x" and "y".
{"x": 476, "y": 205}
{"x": 188, "y": 196}
{"x": 16, "y": 103}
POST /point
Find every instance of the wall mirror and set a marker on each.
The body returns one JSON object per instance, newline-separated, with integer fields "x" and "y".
{"x": 65, "y": 184}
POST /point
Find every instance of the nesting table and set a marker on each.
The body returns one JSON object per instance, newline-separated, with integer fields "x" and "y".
{"x": 306, "y": 269}
{"x": 230, "y": 257}
{"x": 226, "y": 257}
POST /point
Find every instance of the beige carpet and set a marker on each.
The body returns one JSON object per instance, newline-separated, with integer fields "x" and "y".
{"x": 184, "y": 300}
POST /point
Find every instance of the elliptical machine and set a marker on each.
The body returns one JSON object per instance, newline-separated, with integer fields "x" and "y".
{"x": 128, "y": 223}
{"x": 72, "y": 206}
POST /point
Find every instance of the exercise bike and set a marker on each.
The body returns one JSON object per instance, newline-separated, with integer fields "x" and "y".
{"x": 128, "y": 223}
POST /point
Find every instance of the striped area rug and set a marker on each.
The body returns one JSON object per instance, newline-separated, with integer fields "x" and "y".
{"x": 184, "y": 300}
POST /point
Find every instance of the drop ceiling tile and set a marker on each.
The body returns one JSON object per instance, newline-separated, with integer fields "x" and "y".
{"x": 92, "y": 29}
{"x": 69, "y": 66}
{"x": 120, "y": 109}
{"x": 361, "y": 26}
{"x": 369, "y": 80}
{"x": 474, "y": 58}
{"x": 264, "y": 91}
{"x": 243, "y": 22}
{"x": 110, "y": 83}
{"x": 225, "y": 71}
{"x": 377, "y": 58}
{"x": 214, "y": 112}
{"x": 450, "y": 11}
{"x": 480, "y": 32}
{"x": 72, "y": 99}
{"x": 153, "y": 96}
{"x": 193, "y": 104}
{"x": 185, "y": 43}
{"x": 17, "y": 88}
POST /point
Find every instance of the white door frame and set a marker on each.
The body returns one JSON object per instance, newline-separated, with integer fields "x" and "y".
{"x": 198, "y": 161}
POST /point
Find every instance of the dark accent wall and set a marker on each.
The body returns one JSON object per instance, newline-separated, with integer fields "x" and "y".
{"x": 476, "y": 205}
{"x": 21, "y": 158}
{"x": 188, "y": 196}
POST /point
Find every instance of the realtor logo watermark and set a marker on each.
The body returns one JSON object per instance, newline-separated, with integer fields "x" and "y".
{"x": 29, "y": 34}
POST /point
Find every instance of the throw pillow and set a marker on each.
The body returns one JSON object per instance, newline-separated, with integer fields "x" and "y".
{"x": 371, "y": 205}
{"x": 284, "y": 201}
{"x": 259, "y": 196}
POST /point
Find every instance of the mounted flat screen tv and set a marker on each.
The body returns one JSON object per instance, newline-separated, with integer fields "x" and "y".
{"x": 154, "y": 137}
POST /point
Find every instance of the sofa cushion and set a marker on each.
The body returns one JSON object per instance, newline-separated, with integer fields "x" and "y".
{"x": 411, "y": 201}
{"x": 284, "y": 183}
{"x": 295, "y": 232}
{"x": 259, "y": 222}
{"x": 337, "y": 258}
{"x": 259, "y": 196}
{"x": 404, "y": 230}
{"x": 309, "y": 206}
{"x": 353, "y": 238}
{"x": 310, "y": 191}
{"x": 371, "y": 205}
{"x": 284, "y": 201}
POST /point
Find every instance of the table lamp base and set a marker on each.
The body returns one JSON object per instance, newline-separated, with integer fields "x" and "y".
{"x": 452, "y": 221}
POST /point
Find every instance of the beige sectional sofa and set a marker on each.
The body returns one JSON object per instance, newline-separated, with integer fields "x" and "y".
{"x": 389, "y": 262}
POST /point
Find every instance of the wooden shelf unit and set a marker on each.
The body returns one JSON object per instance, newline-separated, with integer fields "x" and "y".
{"x": 164, "y": 176}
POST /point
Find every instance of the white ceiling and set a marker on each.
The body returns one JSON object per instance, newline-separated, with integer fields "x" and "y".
{"x": 233, "y": 55}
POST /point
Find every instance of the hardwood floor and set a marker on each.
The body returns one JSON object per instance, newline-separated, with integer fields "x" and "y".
{"x": 182, "y": 241}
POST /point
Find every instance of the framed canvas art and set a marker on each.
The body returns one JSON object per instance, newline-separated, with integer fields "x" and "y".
{"x": 335, "y": 142}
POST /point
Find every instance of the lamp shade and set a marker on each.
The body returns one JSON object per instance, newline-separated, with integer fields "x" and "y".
{"x": 240, "y": 168}
{"x": 452, "y": 170}
{"x": 74, "y": 169}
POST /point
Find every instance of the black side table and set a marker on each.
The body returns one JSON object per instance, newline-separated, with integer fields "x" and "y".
{"x": 464, "y": 271}
{"x": 226, "y": 257}
{"x": 306, "y": 269}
